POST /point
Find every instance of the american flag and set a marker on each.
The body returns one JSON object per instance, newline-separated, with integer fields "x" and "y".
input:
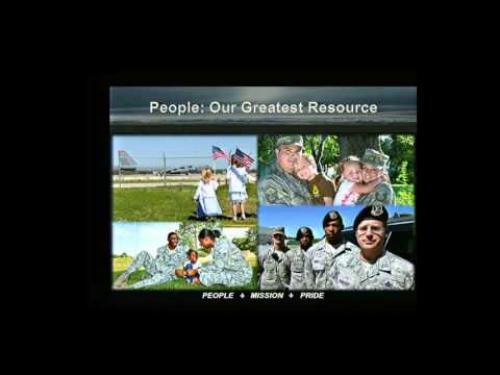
{"x": 217, "y": 153}
{"x": 244, "y": 159}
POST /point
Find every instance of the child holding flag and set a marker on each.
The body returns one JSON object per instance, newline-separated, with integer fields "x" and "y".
{"x": 237, "y": 177}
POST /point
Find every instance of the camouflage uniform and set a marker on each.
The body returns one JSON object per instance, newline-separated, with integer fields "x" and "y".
{"x": 296, "y": 260}
{"x": 275, "y": 274}
{"x": 388, "y": 272}
{"x": 161, "y": 268}
{"x": 280, "y": 187}
{"x": 228, "y": 266}
{"x": 383, "y": 194}
{"x": 319, "y": 261}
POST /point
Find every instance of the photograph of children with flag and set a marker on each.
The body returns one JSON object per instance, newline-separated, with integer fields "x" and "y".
{"x": 185, "y": 179}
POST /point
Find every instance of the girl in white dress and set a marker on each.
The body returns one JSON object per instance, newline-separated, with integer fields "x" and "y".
{"x": 207, "y": 203}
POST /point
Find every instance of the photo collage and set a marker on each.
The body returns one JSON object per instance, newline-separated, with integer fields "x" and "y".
{"x": 250, "y": 212}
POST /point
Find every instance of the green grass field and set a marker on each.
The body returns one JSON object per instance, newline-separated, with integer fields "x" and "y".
{"x": 174, "y": 203}
{"x": 121, "y": 263}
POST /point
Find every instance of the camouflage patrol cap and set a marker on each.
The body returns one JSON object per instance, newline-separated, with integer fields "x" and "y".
{"x": 375, "y": 211}
{"x": 290, "y": 140}
{"x": 375, "y": 158}
{"x": 278, "y": 230}
{"x": 332, "y": 216}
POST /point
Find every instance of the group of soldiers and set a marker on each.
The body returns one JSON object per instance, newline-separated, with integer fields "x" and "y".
{"x": 333, "y": 262}
{"x": 226, "y": 264}
{"x": 280, "y": 185}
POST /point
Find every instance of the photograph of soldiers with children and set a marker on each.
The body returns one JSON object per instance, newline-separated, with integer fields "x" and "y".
{"x": 189, "y": 257}
{"x": 336, "y": 170}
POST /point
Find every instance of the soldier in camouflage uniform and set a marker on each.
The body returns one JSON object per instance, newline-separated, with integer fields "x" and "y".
{"x": 274, "y": 263}
{"x": 373, "y": 267}
{"x": 374, "y": 164}
{"x": 161, "y": 269}
{"x": 280, "y": 186}
{"x": 297, "y": 257}
{"x": 228, "y": 266}
{"x": 321, "y": 257}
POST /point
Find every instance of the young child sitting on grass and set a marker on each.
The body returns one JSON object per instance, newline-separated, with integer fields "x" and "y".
{"x": 191, "y": 269}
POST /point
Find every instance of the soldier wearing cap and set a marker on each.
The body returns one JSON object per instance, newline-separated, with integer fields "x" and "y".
{"x": 297, "y": 257}
{"x": 274, "y": 263}
{"x": 321, "y": 257}
{"x": 280, "y": 186}
{"x": 373, "y": 267}
{"x": 375, "y": 164}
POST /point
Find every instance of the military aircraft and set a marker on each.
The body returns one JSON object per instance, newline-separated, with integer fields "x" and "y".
{"x": 128, "y": 164}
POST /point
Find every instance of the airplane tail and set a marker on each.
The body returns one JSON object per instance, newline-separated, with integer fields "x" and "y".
{"x": 126, "y": 161}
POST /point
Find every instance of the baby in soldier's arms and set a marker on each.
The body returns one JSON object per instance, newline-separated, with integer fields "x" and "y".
{"x": 350, "y": 184}
{"x": 191, "y": 268}
{"x": 320, "y": 186}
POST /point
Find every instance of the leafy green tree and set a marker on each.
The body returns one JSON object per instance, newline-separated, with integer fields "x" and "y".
{"x": 249, "y": 242}
{"x": 403, "y": 173}
{"x": 324, "y": 149}
{"x": 401, "y": 150}
{"x": 188, "y": 232}
{"x": 356, "y": 144}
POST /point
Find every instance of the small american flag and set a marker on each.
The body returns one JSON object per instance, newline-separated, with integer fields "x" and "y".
{"x": 245, "y": 159}
{"x": 217, "y": 153}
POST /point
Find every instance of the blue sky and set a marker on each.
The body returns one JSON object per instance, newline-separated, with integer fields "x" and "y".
{"x": 131, "y": 238}
{"x": 148, "y": 150}
{"x": 312, "y": 216}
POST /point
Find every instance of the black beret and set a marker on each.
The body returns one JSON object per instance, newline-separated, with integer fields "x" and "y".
{"x": 332, "y": 216}
{"x": 302, "y": 231}
{"x": 375, "y": 211}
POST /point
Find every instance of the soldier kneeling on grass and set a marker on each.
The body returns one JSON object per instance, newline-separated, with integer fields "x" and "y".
{"x": 228, "y": 266}
{"x": 160, "y": 269}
